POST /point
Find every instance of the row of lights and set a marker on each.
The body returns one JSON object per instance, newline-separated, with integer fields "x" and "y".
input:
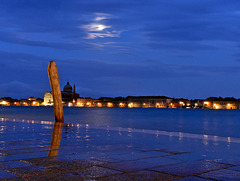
{"x": 216, "y": 106}
{"x": 110, "y": 104}
{"x": 34, "y": 103}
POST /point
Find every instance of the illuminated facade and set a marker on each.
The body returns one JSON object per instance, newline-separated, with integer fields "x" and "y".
{"x": 68, "y": 95}
{"x": 4, "y": 103}
{"x": 221, "y": 103}
{"x": 179, "y": 103}
{"x": 148, "y": 101}
{"x": 48, "y": 99}
{"x": 84, "y": 102}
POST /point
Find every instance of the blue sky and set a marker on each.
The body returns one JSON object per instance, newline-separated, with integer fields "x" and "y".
{"x": 175, "y": 48}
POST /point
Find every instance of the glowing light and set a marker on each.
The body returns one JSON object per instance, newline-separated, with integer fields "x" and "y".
{"x": 102, "y": 27}
{"x": 95, "y": 27}
{"x": 130, "y": 105}
{"x": 206, "y": 103}
{"x": 121, "y": 104}
{"x": 4, "y": 102}
{"x": 229, "y": 139}
{"x": 80, "y": 104}
{"x": 182, "y": 103}
{"x": 109, "y": 104}
{"x": 216, "y": 106}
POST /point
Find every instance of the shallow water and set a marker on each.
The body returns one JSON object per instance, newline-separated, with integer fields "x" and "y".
{"x": 31, "y": 149}
{"x": 225, "y": 123}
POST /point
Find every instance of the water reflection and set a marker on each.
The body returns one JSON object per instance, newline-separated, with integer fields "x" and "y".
{"x": 56, "y": 139}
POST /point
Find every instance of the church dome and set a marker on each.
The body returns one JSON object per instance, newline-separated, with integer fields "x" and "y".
{"x": 67, "y": 88}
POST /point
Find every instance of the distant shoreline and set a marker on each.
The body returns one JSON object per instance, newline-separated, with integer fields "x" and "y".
{"x": 130, "y": 102}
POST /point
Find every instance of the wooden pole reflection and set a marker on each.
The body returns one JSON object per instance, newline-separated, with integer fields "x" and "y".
{"x": 56, "y": 139}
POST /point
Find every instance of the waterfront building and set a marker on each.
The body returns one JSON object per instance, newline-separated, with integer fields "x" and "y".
{"x": 105, "y": 102}
{"x": 48, "y": 99}
{"x": 7, "y": 101}
{"x": 197, "y": 103}
{"x": 148, "y": 101}
{"x": 31, "y": 101}
{"x": 134, "y": 104}
{"x": 24, "y": 102}
{"x": 208, "y": 103}
{"x": 4, "y": 103}
{"x": 122, "y": 104}
{"x": 68, "y": 95}
{"x": 221, "y": 103}
{"x": 16, "y": 103}
{"x": 83, "y": 102}
{"x": 35, "y": 101}
{"x": 71, "y": 98}
{"x": 179, "y": 103}
{"x": 226, "y": 103}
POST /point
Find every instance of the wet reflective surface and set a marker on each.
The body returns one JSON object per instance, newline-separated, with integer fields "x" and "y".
{"x": 223, "y": 123}
{"x": 36, "y": 150}
{"x": 56, "y": 139}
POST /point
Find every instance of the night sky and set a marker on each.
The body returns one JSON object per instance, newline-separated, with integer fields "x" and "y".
{"x": 176, "y": 48}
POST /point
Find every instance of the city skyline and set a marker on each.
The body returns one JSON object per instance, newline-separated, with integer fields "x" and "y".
{"x": 178, "y": 49}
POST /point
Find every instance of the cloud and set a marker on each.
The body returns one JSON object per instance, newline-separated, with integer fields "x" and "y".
{"x": 99, "y": 70}
{"x": 110, "y": 42}
{"x": 178, "y": 22}
{"x": 107, "y": 34}
{"x": 95, "y": 69}
{"x": 102, "y": 16}
{"x": 17, "y": 39}
{"x": 97, "y": 29}
{"x": 58, "y": 16}
{"x": 97, "y": 77}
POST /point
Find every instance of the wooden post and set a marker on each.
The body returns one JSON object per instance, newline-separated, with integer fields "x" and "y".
{"x": 56, "y": 92}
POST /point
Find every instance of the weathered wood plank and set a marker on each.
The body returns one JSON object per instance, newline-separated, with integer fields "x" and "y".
{"x": 56, "y": 91}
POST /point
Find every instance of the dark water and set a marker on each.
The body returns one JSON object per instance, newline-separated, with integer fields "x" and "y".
{"x": 199, "y": 121}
